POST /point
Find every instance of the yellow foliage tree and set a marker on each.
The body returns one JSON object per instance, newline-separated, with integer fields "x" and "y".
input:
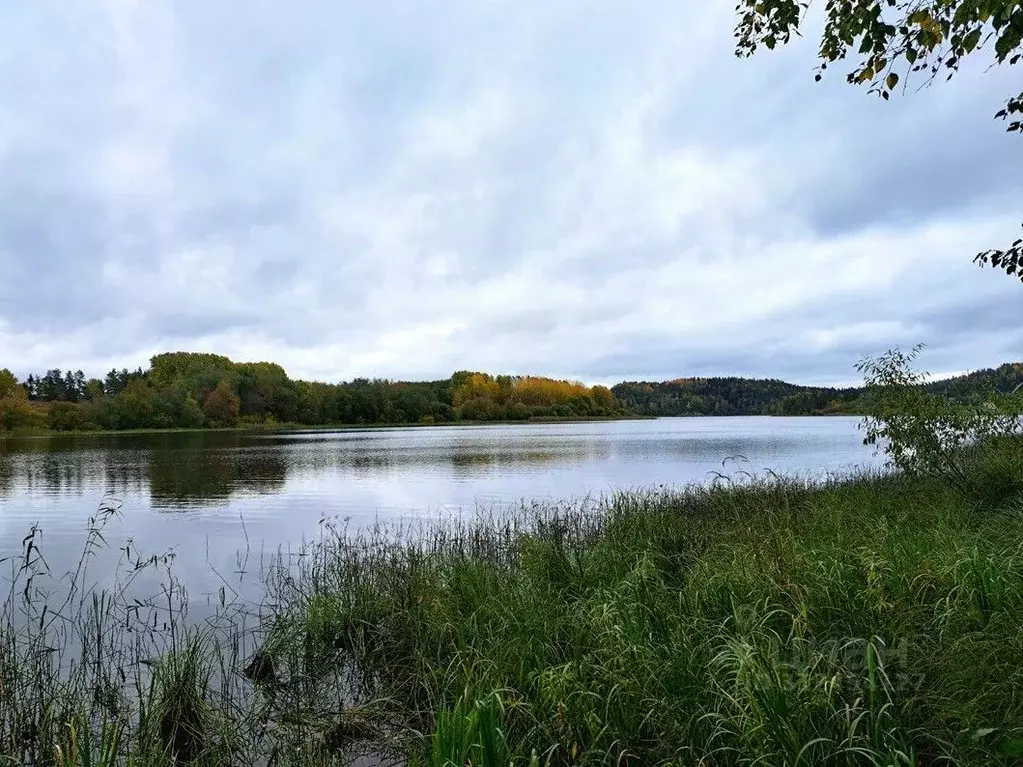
{"x": 14, "y": 408}
{"x": 480, "y": 396}
{"x": 546, "y": 392}
{"x": 478, "y": 386}
{"x": 603, "y": 397}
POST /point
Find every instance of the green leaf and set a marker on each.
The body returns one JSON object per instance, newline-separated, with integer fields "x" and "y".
{"x": 1008, "y": 40}
{"x": 971, "y": 40}
{"x": 892, "y": 81}
{"x": 910, "y": 55}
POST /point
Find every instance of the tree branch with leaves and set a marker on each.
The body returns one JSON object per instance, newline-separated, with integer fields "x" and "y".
{"x": 895, "y": 39}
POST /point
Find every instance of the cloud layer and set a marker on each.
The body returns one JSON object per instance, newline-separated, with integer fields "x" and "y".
{"x": 591, "y": 190}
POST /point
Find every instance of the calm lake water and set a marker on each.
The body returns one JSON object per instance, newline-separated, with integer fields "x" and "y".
{"x": 207, "y": 496}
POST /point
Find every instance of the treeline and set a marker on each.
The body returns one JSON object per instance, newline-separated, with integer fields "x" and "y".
{"x": 973, "y": 386}
{"x": 746, "y": 396}
{"x": 182, "y": 389}
{"x": 733, "y": 396}
{"x": 57, "y": 386}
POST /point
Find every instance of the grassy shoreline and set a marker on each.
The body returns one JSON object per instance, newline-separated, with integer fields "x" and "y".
{"x": 870, "y": 620}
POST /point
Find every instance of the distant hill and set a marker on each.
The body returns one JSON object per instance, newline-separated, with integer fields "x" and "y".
{"x": 760, "y": 396}
{"x": 1002, "y": 380}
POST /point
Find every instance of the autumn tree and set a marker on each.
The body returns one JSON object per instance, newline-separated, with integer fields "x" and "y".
{"x": 475, "y": 386}
{"x": 14, "y": 408}
{"x": 603, "y": 397}
{"x": 8, "y": 383}
{"x": 480, "y": 396}
{"x": 546, "y": 392}
{"x": 897, "y": 39}
{"x": 222, "y": 405}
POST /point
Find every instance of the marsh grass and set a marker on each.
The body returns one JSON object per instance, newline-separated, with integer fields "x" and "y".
{"x": 873, "y": 620}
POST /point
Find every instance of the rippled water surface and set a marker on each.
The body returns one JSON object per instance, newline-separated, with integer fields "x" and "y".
{"x": 209, "y": 495}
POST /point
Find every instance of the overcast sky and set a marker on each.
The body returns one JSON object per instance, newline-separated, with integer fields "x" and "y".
{"x": 590, "y": 189}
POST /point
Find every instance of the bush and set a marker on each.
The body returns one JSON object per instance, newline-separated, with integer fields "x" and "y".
{"x": 927, "y": 433}
{"x": 516, "y": 411}
{"x": 66, "y": 416}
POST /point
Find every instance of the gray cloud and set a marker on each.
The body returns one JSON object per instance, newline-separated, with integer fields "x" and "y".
{"x": 586, "y": 189}
{"x": 930, "y": 166}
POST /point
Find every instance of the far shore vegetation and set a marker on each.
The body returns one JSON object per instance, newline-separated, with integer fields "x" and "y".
{"x": 183, "y": 390}
{"x": 871, "y": 619}
{"x": 190, "y": 390}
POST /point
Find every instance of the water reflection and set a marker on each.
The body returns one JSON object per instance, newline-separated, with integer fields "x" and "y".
{"x": 207, "y": 496}
{"x": 6, "y": 476}
{"x": 188, "y": 470}
{"x": 188, "y": 477}
{"x": 196, "y": 469}
{"x": 176, "y": 471}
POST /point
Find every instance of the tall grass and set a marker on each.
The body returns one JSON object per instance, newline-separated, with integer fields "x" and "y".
{"x": 874, "y": 620}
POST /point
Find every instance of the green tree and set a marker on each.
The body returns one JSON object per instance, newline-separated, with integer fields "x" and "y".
{"x": 927, "y": 433}
{"x": 222, "y": 406}
{"x": 137, "y": 404}
{"x": 895, "y": 40}
{"x": 93, "y": 389}
{"x": 191, "y": 414}
{"x": 169, "y": 367}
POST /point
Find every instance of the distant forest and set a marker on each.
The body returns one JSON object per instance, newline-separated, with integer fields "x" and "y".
{"x": 748, "y": 396}
{"x": 192, "y": 390}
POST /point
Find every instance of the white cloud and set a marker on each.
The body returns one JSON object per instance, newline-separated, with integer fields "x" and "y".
{"x": 582, "y": 189}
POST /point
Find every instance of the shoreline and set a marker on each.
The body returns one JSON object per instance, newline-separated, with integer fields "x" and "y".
{"x": 296, "y": 427}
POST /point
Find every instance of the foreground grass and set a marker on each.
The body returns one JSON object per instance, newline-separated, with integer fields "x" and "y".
{"x": 877, "y": 620}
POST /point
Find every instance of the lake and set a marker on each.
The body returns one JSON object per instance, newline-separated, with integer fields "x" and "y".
{"x": 209, "y": 495}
